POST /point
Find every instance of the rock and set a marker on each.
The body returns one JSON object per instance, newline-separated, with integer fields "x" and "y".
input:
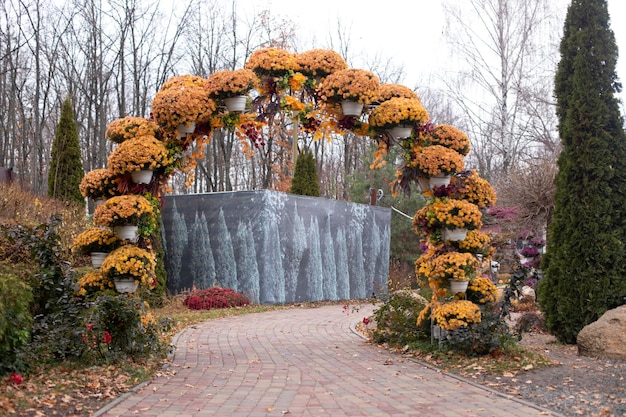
{"x": 414, "y": 294}
{"x": 605, "y": 337}
{"x": 528, "y": 292}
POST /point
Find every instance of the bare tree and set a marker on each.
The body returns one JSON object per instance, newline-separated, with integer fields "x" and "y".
{"x": 500, "y": 42}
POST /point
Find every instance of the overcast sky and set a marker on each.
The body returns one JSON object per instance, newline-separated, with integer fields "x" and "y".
{"x": 409, "y": 31}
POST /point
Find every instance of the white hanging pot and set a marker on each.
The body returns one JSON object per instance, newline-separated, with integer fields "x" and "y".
{"x": 457, "y": 286}
{"x": 439, "y": 180}
{"x": 97, "y": 258}
{"x": 127, "y": 232}
{"x": 125, "y": 285}
{"x": 351, "y": 108}
{"x": 236, "y": 104}
{"x": 142, "y": 177}
{"x": 185, "y": 129}
{"x": 401, "y": 131}
{"x": 454, "y": 234}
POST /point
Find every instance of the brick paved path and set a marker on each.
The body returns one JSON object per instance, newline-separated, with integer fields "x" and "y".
{"x": 302, "y": 362}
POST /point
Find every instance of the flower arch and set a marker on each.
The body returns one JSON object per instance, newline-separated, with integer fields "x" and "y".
{"x": 320, "y": 96}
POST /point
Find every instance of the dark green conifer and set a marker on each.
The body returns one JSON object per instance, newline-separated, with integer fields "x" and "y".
{"x": 66, "y": 167}
{"x": 305, "y": 181}
{"x": 585, "y": 264}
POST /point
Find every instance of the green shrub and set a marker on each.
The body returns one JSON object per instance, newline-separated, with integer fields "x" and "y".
{"x": 15, "y": 320}
{"x": 119, "y": 327}
{"x": 396, "y": 319}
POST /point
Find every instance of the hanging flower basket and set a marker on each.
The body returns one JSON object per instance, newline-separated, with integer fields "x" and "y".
{"x": 272, "y": 62}
{"x": 320, "y": 63}
{"x": 130, "y": 263}
{"x": 437, "y": 160}
{"x": 99, "y": 184}
{"x": 138, "y": 154}
{"x": 230, "y": 83}
{"x": 447, "y": 213}
{"x": 95, "y": 239}
{"x": 124, "y": 210}
{"x": 130, "y": 127}
{"x": 349, "y": 84}
{"x": 396, "y": 112}
{"x": 448, "y": 136}
{"x": 182, "y": 100}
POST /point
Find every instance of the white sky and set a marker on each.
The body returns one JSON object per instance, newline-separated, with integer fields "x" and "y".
{"x": 409, "y": 31}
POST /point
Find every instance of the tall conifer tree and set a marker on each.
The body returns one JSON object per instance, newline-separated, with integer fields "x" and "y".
{"x": 585, "y": 264}
{"x": 66, "y": 167}
{"x": 305, "y": 180}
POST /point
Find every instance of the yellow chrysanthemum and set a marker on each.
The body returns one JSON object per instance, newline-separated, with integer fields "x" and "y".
{"x": 455, "y": 314}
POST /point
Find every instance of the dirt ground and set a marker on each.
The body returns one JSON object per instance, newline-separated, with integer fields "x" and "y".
{"x": 574, "y": 386}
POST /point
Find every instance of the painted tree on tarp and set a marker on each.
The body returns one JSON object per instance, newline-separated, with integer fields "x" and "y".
{"x": 176, "y": 248}
{"x": 66, "y": 168}
{"x": 202, "y": 262}
{"x": 585, "y": 266}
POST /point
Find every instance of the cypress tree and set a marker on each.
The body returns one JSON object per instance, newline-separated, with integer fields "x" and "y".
{"x": 66, "y": 168}
{"x": 305, "y": 181}
{"x": 585, "y": 264}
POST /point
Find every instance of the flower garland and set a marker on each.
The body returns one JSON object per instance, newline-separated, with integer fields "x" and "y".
{"x": 99, "y": 183}
{"x": 350, "y": 84}
{"x": 437, "y": 160}
{"x": 448, "y": 136}
{"x": 140, "y": 153}
{"x": 130, "y": 262}
{"x": 227, "y": 83}
{"x": 273, "y": 62}
{"x": 447, "y": 213}
{"x": 123, "y": 210}
{"x": 398, "y": 111}
{"x": 95, "y": 239}
{"x": 320, "y": 62}
{"x": 455, "y": 314}
{"x": 129, "y": 127}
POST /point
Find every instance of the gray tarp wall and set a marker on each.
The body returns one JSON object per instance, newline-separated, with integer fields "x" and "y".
{"x": 276, "y": 247}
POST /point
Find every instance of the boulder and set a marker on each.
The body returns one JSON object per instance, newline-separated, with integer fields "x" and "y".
{"x": 528, "y": 292}
{"x": 606, "y": 337}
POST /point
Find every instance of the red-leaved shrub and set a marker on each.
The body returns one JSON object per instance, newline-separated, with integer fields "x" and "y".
{"x": 215, "y": 297}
